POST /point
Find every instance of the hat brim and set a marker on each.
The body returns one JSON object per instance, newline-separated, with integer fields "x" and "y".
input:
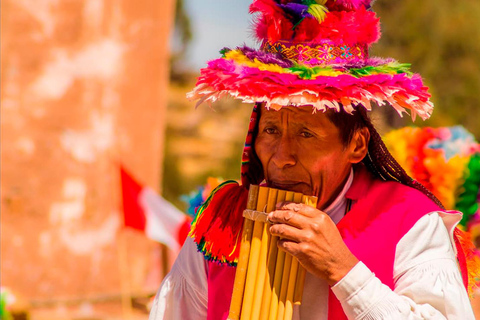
{"x": 255, "y": 80}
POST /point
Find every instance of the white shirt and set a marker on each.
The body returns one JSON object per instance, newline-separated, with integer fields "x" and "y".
{"x": 428, "y": 284}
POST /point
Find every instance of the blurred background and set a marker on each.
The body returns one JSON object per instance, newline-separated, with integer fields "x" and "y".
{"x": 90, "y": 86}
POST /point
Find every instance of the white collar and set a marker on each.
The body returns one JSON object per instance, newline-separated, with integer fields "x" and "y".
{"x": 336, "y": 210}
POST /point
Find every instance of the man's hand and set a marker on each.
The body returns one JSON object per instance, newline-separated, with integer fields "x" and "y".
{"x": 313, "y": 238}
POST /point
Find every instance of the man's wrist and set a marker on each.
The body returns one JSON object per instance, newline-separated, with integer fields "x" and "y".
{"x": 339, "y": 272}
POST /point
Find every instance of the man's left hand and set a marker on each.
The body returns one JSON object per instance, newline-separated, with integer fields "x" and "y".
{"x": 313, "y": 238}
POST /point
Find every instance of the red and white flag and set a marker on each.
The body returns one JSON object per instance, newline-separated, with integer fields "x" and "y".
{"x": 147, "y": 211}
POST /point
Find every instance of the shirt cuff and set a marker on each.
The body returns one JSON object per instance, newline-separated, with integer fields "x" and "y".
{"x": 358, "y": 291}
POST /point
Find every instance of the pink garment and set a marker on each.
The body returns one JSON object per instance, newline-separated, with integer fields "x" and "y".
{"x": 381, "y": 210}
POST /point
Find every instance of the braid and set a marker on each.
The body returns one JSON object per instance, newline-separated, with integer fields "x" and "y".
{"x": 382, "y": 164}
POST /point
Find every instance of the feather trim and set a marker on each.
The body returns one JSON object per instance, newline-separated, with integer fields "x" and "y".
{"x": 268, "y": 83}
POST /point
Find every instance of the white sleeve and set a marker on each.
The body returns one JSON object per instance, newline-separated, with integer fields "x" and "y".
{"x": 428, "y": 284}
{"x": 183, "y": 293}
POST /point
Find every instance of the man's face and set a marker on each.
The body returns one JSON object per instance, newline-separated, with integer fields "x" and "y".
{"x": 302, "y": 152}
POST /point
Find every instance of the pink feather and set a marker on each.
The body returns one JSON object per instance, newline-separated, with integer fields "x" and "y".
{"x": 273, "y": 24}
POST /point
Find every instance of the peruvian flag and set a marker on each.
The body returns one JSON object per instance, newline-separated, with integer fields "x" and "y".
{"x": 147, "y": 211}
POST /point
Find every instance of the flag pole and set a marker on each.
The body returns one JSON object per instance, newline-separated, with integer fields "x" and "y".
{"x": 126, "y": 293}
{"x": 165, "y": 260}
{"x": 122, "y": 254}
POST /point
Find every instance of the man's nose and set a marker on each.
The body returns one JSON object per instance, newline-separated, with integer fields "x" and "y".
{"x": 284, "y": 155}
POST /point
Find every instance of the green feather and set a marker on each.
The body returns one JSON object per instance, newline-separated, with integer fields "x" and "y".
{"x": 389, "y": 68}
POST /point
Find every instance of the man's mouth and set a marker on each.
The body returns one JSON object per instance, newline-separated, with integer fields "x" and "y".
{"x": 287, "y": 185}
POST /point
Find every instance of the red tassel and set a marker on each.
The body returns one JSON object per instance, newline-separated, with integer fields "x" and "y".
{"x": 218, "y": 227}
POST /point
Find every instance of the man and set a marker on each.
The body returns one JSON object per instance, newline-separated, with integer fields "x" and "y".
{"x": 378, "y": 245}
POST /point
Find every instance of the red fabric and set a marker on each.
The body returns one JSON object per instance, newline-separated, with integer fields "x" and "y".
{"x": 220, "y": 288}
{"x": 133, "y": 213}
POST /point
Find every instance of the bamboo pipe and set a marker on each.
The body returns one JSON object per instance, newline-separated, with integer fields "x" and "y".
{"x": 241, "y": 272}
{"x": 287, "y": 261}
{"x": 279, "y": 195}
{"x": 297, "y": 198}
{"x": 252, "y": 268}
{"x": 278, "y": 271}
{"x": 297, "y": 296}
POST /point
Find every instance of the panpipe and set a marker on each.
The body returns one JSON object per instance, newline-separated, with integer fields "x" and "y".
{"x": 268, "y": 281}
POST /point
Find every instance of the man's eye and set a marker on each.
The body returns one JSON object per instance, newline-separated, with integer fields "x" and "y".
{"x": 306, "y": 134}
{"x": 270, "y": 130}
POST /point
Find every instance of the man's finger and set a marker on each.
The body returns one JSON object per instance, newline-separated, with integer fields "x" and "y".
{"x": 285, "y": 231}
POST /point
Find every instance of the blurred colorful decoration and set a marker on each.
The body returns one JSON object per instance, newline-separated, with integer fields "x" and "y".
{"x": 446, "y": 161}
{"x": 4, "y": 314}
{"x": 12, "y": 306}
{"x": 196, "y": 197}
{"x": 147, "y": 211}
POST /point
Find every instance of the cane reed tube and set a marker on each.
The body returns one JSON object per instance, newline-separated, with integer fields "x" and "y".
{"x": 277, "y": 279}
{"x": 265, "y": 271}
{"x": 254, "y": 257}
{"x": 261, "y": 272}
{"x": 241, "y": 272}
{"x": 287, "y": 261}
{"x": 271, "y": 259}
{"x": 292, "y": 282}
{"x": 297, "y": 296}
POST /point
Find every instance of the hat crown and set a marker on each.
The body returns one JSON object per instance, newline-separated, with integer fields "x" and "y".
{"x": 316, "y": 32}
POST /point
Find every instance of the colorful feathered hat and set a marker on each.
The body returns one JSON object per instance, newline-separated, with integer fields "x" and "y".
{"x": 313, "y": 52}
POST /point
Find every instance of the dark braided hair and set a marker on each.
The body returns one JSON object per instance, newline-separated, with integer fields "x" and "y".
{"x": 379, "y": 161}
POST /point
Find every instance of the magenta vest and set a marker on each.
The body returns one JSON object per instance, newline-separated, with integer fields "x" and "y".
{"x": 381, "y": 210}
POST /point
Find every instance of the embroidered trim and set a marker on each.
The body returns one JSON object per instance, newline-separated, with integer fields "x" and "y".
{"x": 317, "y": 54}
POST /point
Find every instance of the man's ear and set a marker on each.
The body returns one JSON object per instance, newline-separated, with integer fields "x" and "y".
{"x": 359, "y": 145}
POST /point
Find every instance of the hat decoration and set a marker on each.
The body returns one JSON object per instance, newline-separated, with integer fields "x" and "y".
{"x": 313, "y": 52}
